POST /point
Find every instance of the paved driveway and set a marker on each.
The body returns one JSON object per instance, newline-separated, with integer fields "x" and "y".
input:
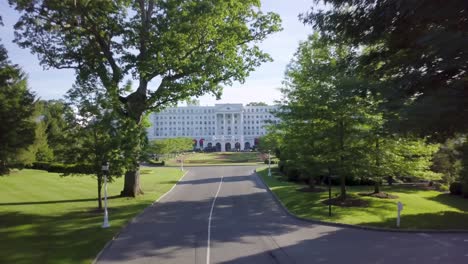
{"x": 225, "y": 215}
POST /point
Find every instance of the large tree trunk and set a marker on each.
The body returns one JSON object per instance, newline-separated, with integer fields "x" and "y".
{"x": 377, "y": 186}
{"x": 132, "y": 184}
{"x": 343, "y": 186}
{"x": 135, "y": 104}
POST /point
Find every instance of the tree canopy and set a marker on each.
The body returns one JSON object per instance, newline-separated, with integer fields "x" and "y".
{"x": 257, "y": 104}
{"x": 329, "y": 127}
{"x": 415, "y": 49}
{"x": 173, "y": 49}
{"x": 17, "y": 107}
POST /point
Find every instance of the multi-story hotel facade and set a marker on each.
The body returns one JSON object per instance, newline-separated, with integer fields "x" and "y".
{"x": 222, "y": 127}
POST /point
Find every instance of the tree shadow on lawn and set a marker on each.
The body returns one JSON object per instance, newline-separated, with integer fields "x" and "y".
{"x": 403, "y": 189}
{"x": 454, "y": 201}
{"x": 72, "y": 237}
{"x": 437, "y": 220}
{"x": 60, "y": 201}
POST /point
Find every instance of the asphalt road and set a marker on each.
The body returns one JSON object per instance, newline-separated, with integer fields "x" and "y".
{"x": 230, "y": 207}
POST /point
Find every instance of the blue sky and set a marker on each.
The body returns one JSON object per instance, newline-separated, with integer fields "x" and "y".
{"x": 262, "y": 85}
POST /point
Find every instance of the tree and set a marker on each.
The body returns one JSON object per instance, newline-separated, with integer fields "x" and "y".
{"x": 417, "y": 52}
{"x": 170, "y": 145}
{"x": 257, "y": 104}
{"x": 96, "y": 133}
{"x": 331, "y": 127}
{"x": 188, "y": 47}
{"x": 272, "y": 141}
{"x": 59, "y": 120}
{"x": 324, "y": 111}
{"x": 16, "y": 110}
{"x": 192, "y": 102}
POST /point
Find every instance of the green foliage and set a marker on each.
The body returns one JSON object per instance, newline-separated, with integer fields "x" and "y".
{"x": 417, "y": 52}
{"x": 193, "y": 47}
{"x": 270, "y": 142}
{"x": 59, "y": 119}
{"x": 170, "y": 145}
{"x": 330, "y": 127}
{"x": 447, "y": 160}
{"x": 257, "y": 104}
{"x": 17, "y": 127}
{"x": 456, "y": 188}
{"x": 98, "y": 135}
{"x": 67, "y": 169}
{"x": 39, "y": 150}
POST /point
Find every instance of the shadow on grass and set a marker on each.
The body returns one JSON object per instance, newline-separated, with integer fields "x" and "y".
{"x": 452, "y": 200}
{"x": 439, "y": 220}
{"x": 59, "y": 201}
{"x": 404, "y": 189}
{"x": 73, "y": 237}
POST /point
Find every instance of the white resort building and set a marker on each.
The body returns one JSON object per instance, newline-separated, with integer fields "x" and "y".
{"x": 222, "y": 127}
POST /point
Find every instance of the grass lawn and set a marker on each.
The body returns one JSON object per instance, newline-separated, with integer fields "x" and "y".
{"x": 45, "y": 218}
{"x": 219, "y": 158}
{"x": 423, "y": 209}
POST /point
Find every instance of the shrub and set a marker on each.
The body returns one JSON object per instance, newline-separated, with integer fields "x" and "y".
{"x": 71, "y": 168}
{"x": 443, "y": 188}
{"x": 292, "y": 173}
{"x": 281, "y": 166}
{"x": 272, "y": 161}
{"x": 456, "y": 188}
{"x": 41, "y": 166}
{"x": 57, "y": 167}
{"x": 158, "y": 164}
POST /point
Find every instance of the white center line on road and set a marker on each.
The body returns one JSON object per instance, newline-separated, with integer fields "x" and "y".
{"x": 209, "y": 222}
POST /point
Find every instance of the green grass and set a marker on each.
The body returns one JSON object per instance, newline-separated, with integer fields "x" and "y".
{"x": 423, "y": 209}
{"x": 45, "y": 218}
{"x": 219, "y": 158}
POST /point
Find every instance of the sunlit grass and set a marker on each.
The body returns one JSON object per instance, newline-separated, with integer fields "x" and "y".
{"x": 218, "y": 158}
{"x": 45, "y": 218}
{"x": 423, "y": 209}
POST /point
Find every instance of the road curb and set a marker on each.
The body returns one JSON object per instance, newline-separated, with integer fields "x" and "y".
{"x": 109, "y": 243}
{"x": 368, "y": 228}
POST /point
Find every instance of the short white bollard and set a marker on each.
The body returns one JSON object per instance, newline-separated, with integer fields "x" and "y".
{"x": 400, "y": 208}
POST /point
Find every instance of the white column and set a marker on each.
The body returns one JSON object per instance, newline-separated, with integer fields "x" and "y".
{"x": 216, "y": 125}
{"x": 232, "y": 124}
{"x": 241, "y": 130}
{"x": 224, "y": 125}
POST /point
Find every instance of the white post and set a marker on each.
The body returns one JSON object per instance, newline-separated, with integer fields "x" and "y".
{"x": 400, "y": 208}
{"x": 269, "y": 164}
{"x": 105, "y": 169}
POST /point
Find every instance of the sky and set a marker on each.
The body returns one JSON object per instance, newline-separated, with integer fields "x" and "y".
{"x": 261, "y": 86}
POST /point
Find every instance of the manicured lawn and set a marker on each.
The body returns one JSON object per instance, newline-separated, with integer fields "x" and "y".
{"x": 423, "y": 209}
{"x": 45, "y": 218}
{"x": 219, "y": 158}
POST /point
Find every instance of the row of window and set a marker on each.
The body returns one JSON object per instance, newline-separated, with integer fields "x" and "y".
{"x": 205, "y": 111}
{"x": 205, "y": 128}
{"x": 157, "y": 117}
{"x": 207, "y": 122}
{"x": 174, "y": 134}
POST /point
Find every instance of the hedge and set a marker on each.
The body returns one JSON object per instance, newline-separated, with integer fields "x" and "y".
{"x": 456, "y": 188}
{"x": 64, "y": 168}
